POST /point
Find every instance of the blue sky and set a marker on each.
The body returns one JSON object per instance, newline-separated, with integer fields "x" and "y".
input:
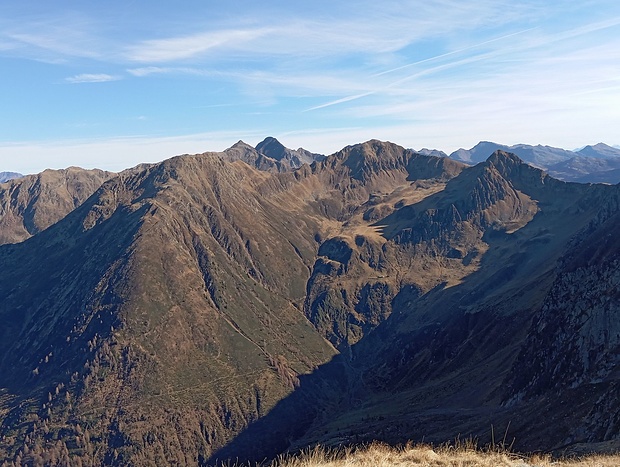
{"x": 111, "y": 84}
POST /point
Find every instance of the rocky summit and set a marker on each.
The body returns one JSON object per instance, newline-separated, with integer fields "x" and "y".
{"x": 236, "y": 305}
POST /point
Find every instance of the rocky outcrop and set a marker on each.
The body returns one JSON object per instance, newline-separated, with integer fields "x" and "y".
{"x": 575, "y": 338}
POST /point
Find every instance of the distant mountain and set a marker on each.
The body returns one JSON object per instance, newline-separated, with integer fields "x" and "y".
{"x": 539, "y": 156}
{"x": 200, "y": 309}
{"x": 587, "y": 169}
{"x": 32, "y": 203}
{"x": 6, "y": 176}
{"x": 591, "y": 164}
{"x": 270, "y": 155}
{"x": 292, "y": 159}
{"x": 242, "y": 151}
{"x": 432, "y": 152}
{"x": 600, "y": 150}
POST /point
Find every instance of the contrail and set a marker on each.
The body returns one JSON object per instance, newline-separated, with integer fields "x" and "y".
{"x": 340, "y": 101}
{"x": 427, "y": 71}
{"x": 453, "y": 52}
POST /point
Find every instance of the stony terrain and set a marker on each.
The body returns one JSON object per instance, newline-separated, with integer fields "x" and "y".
{"x": 216, "y": 306}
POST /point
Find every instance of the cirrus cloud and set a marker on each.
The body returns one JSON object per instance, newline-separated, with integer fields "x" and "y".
{"x": 92, "y": 78}
{"x": 179, "y": 48}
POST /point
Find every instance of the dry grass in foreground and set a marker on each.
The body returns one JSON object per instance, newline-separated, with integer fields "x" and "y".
{"x": 379, "y": 455}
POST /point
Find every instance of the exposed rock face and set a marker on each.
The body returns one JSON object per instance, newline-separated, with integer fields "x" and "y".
{"x": 575, "y": 336}
{"x": 200, "y": 309}
{"x": 357, "y": 272}
{"x": 573, "y": 343}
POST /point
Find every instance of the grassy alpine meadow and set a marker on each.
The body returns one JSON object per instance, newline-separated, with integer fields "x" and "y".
{"x": 422, "y": 455}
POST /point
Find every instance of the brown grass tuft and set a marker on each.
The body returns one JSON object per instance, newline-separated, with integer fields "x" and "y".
{"x": 461, "y": 454}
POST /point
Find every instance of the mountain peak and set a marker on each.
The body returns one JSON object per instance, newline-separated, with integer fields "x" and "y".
{"x": 504, "y": 157}
{"x": 290, "y": 159}
{"x": 601, "y": 145}
{"x": 600, "y": 150}
{"x": 431, "y": 152}
{"x": 271, "y": 147}
{"x": 240, "y": 144}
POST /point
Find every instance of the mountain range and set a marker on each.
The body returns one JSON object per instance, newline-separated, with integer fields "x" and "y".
{"x": 271, "y": 155}
{"x": 598, "y": 163}
{"x": 231, "y": 306}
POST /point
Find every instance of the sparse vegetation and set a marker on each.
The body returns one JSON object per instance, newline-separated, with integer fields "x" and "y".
{"x": 422, "y": 455}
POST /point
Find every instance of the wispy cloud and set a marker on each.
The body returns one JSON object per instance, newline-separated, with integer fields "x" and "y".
{"x": 51, "y": 41}
{"x": 185, "y": 47}
{"x": 92, "y": 78}
{"x": 148, "y": 70}
{"x": 419, "y": 73}
{"x": 6, "y": 45}
{"x": 157, "y": 70}
{"x": 454, "y": 52}
{"x": 366, "y": 28}
{"x": 538, "y": 58}
{"x": 395, "y": 87}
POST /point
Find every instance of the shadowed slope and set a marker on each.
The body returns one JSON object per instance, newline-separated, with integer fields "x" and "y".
{"x": 441, "y": 363}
